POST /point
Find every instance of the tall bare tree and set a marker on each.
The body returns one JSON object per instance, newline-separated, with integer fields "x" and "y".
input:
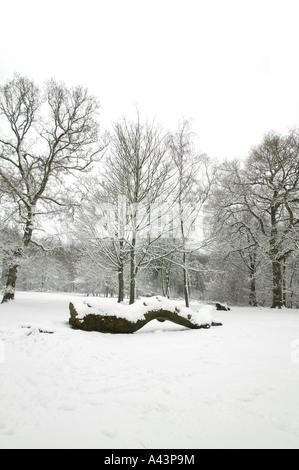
{"x": 272, "y": 198}
{"x": 99, "y": 228}
{"x": 44, "y": 136}
{"x": 235, "y": 230}
{"x": 137, "y": 169}
{"x": 192, "y": 182}
{"x": 256, "y": 208}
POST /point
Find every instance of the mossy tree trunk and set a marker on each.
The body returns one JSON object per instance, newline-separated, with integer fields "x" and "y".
{"x": 113, "y": 324}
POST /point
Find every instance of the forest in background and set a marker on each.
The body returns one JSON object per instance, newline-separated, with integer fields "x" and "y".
{"x": 136, "y": 210}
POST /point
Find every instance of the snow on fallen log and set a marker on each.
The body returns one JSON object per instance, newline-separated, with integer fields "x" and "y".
{"x": 109, "y": 317}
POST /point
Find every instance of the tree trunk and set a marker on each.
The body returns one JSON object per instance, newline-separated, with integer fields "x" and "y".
{"x": 252, "y": 295}
{"x": 252, "y": 274}
{"x": 291, "y": 290}
{"x": 10, "y": 288}
{"x": 9, "y": 292}
{"x": 185, "y": 268}
{"x": 186, "y": 280}
{"x": 284, "y": 287}
{"x": 132, "y": 273}
{"x": 277, "y": 291}
{"x": 165, "y": 281}
{"x": 121, "y": 284}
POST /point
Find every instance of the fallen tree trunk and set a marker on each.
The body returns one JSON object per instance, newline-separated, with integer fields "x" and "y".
{"x": 93, "y": 320}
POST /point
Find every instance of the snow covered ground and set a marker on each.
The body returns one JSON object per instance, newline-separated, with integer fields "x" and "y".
{"x": 163, "y": 387}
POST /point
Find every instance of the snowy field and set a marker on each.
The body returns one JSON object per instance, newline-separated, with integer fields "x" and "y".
{"x": 163, "y": 387}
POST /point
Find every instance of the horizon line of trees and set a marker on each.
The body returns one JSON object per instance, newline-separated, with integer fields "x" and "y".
{"x": 138, "y": 209}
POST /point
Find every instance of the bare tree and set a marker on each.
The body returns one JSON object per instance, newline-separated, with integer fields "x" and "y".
{"x": 272, "y": 198}
{"x": 137, "y": 170}
{"x": 193, "y": 181}
{"x": 256, "y": 208}
{"x": 99, "y": 229}
{"x": 44, "y": 137}
{"x": 235, "y": 231}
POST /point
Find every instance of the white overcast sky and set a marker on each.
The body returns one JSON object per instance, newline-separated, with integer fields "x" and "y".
{"x": 231, "y": 66}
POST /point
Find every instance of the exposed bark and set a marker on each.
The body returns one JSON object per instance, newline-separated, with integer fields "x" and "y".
{"x": 186, "y": 281}
{"x": 10, "y": 287}
{"x": 114, "y": 324}
{"x": 132, "y": 271}
{"x": 120, "y": 273}
{"x": 121, "y": 285}
{"x": 252, "y": 293}
{"x": 9, "y": 293}
{"x": 221, "y": 307}
{"x": 277, "y": 291}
